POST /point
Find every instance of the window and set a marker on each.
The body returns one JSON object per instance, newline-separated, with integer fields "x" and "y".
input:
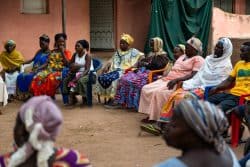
{"x": 102, "y": 25}
{"x": 248, "y": 7}
{"x": 34, "y": 6}
{"x": 226, "y": 5}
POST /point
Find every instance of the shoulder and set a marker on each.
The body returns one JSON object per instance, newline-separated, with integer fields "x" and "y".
{"x": 240, "y": 63}
{"x": 199, "y": 58}
{"x": 135, "y": 52}
{"x": 172, "y": 162}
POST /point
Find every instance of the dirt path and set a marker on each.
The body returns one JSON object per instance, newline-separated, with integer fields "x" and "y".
{"x": 108, "y": 137}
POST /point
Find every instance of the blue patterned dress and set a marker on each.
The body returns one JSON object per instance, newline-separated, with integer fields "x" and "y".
{"x": 24, "y": 79}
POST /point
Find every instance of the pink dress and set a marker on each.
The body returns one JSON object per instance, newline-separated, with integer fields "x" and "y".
{"x": 155, "y": 94}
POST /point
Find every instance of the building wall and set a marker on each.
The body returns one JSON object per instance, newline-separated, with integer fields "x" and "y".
{"x": 230, "y": 25}
{"x": 133, "y": 17}
{"x": 25, "y": 29}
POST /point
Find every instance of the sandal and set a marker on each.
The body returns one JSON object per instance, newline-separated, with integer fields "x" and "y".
{"x": 149, "y": 128}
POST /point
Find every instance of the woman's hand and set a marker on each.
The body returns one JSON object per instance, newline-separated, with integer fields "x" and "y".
{"x": 212, "y": 91}
{"x": 106, "y": 68}
{"x": 172, "y": 83}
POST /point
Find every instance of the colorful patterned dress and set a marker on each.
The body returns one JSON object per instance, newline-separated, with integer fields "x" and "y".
{"x": 122, "y": 60}
{"x": 24, "y": 79}
{"x": 48, "y": 80}
{"x": 130, "y": 84}
{"x": 64, "y": 158}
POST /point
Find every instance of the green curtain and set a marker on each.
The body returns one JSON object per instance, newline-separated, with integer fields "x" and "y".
{"x": 175, "y": 21}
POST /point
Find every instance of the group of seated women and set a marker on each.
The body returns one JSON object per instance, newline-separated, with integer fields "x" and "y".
{"x": 50, "y": 69}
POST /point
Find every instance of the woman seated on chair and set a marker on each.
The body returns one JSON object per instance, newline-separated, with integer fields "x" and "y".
{"x": 130, "y": 84}
{"x": 39, "y": 62}
{"x": 155, "y": 94}
{"x": 195, "y": 129}
{"x": 76, "y": 80}
{"x": 11, "y": 60}
{"x": 38, "y": 124}
{"x": 48, "y": 80}
{"x": 216, "y": 69}
{"x": 123, "y": 59}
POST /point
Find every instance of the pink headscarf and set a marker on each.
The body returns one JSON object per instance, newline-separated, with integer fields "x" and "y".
{"x": 43, "y": 120}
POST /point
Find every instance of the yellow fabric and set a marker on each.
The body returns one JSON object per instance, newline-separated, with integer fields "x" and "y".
{"x": 128, "y": 38}
{"x": 183, "y": 47}
{"x": 241, "y": 73}
{"x": 11, "y": 60}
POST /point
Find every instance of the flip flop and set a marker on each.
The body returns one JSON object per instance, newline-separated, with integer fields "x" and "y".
{"x": 149, "y": 128}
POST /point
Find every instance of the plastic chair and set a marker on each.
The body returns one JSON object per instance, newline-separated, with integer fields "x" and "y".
{"x": 235, "y": 120}
{"x": 92, "y": 80}
{"x": 152, "y": 73}
{"x": 235, "y": 123}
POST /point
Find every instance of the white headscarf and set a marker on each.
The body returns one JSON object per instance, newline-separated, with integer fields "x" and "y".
{"x": 214, "y": 71}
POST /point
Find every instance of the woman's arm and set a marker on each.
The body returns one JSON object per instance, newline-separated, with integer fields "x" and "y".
{"x": 222, "y": 86}
{"x": 87, "y": 65}
{"x": 29, "y": 61}
{"x": 173, "y": 82}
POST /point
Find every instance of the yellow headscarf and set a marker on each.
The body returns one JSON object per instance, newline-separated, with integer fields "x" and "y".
{"x": 158, "y": 46}
{"x": 182, "y": 47}
{"x": 11, "y": 60}
{"x": 128, "y": 38}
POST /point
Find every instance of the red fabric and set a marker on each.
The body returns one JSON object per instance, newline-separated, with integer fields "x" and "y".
{"x": 46, "y": 86}
{"x": 68, "y": 54}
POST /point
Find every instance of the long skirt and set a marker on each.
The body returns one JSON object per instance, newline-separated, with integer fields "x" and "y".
{"x": 107, "y": 84}
{"x": 176, "y": 98}
{"x": 129, "y": 88}
{"x": 23, "y": 85}
{"x": 10, "y": 80}
{"x": 153, "y": 97}
{"x": 47, "y": 85}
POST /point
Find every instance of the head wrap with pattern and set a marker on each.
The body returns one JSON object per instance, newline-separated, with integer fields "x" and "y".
{"x": 196, "y": 44}
{"x": 206, "y": 119}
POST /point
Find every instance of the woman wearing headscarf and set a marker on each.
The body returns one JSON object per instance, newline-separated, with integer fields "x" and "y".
{"x": 216, "y": 69}
{"x": 37, "y": 125}
{"x": 123, "y": 59}
{"x": 48, "y": 80}
{"x": 155, "y": 94}
{"x": 130, "y": 84}
{"x": 39, "y": 61}
{"x": 76, "y": 80}
{"x": 11, "y": 60}
{"x": 195, "y": 129}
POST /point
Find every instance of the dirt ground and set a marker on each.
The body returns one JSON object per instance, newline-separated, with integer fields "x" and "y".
{"x": 108, "y": 137}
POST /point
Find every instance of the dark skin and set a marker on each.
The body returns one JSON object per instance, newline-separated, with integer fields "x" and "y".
{"x": 9, "y": 48}
{"x": 124, "y": 46}
{"x": 21, "y": 136}
{"x": 60, "y": 46}
{"x": 195, "y": 151}
{"x": 218, "y": 50}
{"x": 74, "y": 67}
{"x": 190, "y": 52}
{"x": 44, "y": 47}
{"x": 244, "y": 55}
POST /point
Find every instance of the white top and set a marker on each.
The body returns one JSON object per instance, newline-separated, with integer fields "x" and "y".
{"x": 81, "y": 61}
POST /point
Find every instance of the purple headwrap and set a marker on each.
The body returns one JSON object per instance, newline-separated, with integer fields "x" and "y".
{"x": 42, "y": 119}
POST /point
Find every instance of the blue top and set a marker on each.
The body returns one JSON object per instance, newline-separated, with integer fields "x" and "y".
{"x": 175, "y": 162}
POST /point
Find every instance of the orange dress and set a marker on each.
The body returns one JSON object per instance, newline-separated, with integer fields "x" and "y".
{"x": 48, "y": 80}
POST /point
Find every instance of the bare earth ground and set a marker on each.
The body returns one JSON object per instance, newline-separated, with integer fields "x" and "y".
{"x": 108, "y": 137}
